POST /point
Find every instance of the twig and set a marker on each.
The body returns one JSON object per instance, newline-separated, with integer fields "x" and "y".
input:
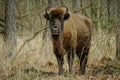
{"x": 27, "y": 40}
{"x": 82, "y": 9}
{"x": 1, "y": 25}
{"x": 2, "y": 20}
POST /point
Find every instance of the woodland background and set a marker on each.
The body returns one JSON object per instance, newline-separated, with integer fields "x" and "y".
{"x": 25, "y": 43}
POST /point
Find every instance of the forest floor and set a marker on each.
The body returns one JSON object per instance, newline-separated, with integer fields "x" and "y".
{"x": 107, "y": 70}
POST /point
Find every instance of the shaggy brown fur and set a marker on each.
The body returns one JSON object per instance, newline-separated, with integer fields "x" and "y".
{"x": 75, "y": 38}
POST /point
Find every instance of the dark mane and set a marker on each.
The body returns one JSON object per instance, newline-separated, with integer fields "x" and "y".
{"x": 57, "y": 12}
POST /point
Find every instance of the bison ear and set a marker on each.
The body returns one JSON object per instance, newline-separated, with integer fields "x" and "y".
{"x": 66, "y": 16}
{"x": 46, "y": 16}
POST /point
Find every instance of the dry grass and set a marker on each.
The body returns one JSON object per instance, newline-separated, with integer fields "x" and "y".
{"x": 36, "y": 60}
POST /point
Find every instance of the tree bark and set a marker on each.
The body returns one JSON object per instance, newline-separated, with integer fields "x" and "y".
{"x": 51, "y": 2}
{"x": 118, "y": 31}
{"x": 106, "y": 9}
{"x": 75, "y": 5}
{"x": 10, "y": 29}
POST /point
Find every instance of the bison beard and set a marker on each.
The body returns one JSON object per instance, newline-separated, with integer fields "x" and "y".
{"x": 74, "y": 36}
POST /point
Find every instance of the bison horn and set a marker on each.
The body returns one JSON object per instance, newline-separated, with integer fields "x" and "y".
{"x": 66, "y": 9}
{"x": 47, "y": 8}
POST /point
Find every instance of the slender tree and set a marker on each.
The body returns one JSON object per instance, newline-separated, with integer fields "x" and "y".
{"x": 75, "y": 5}
{"x": 118, "y": 31}
{"x": 51, "y": 2}
{"x": 106, "y": 9}
{"x": 10, "y": 29}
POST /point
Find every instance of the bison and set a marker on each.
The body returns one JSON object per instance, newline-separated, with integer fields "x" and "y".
{"x": 71, "y": 33}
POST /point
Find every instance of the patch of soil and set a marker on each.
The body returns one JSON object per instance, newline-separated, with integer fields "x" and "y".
{"x": 109, "y": 70}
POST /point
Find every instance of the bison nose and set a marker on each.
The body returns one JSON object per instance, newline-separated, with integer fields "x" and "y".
{"x": 55, "y": 28}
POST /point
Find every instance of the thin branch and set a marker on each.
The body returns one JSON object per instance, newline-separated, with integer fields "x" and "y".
{"x": 2, "y": 32}
{"x": 77, "y": 11}
{"x": 26, "y": 14}
{"x": 1, "y": 25}
{"x": 2, "y": 20}
{"x": 28, "y": 40}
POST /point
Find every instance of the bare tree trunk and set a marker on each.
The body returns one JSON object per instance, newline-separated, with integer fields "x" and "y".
{"x": 118, "y": 31}
{"x": 94, "y": 13}
{"x": 106, "y": 9}
{"x": 59, "y": 2}
{"x": 62, "y": 2}
{"x": 98, "y": 15}
{"x": 51, "y": 2}
{"x": 10, "y": 30}
{"x": 75, "y": 5}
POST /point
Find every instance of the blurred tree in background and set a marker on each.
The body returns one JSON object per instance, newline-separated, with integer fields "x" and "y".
{"x": 10, "y": 28}
{"x": 118, "y": 31}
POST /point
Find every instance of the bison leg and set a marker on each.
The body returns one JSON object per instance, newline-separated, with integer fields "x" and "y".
{"x": 70, "y": 58}
{"x": 83, "y": 60}
{"x": 60, "y": 61}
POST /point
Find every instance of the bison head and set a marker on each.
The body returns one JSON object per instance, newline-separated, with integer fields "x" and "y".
{"x": 56, "y": 17}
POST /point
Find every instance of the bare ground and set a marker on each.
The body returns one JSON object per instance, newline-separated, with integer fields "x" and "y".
{"x": 107, "y": 70}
